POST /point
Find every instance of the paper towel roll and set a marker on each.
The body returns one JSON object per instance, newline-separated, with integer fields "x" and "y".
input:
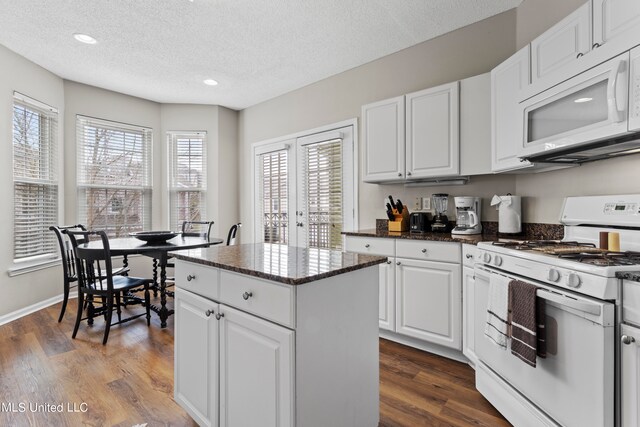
{"x": 509, "y": 214}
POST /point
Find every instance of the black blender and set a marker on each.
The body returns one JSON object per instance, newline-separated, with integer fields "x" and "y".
{"x": 440, "y": 221}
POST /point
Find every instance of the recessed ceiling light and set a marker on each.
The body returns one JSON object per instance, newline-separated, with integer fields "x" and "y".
{"x": 85, "y": 38}
{"x": 581, "y": 100}
{"x": 210, "y": 82}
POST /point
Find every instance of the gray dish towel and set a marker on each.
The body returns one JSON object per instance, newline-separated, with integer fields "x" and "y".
{"x": 526, "y": 315}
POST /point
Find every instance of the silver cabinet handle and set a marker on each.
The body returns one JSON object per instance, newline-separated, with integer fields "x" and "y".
{"x": 208, "y": 313}
{"x": 388, "y": 262}
{"x": 469, "y": 256}
{"x": 596, "y": 45}
{"x": 398, "y": 263}
{"x": 424, "y": 251}
{"x": 219, "y": 315}
{"x": 190, "y": 277}
{"x": 247, "y": 295}
{"x": 367, "y": 245}
{"x": 579, "y": 55}
{"x": 626, "y": 339}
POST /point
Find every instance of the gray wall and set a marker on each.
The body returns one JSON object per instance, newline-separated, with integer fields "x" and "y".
{"x": 463, "y": 53}
{"x": 18, "y": 74}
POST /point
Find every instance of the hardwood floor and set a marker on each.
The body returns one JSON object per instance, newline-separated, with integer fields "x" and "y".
{"x": 130, "y": 380}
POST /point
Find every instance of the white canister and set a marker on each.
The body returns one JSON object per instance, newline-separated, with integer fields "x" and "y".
{"x": 509, "y": 213}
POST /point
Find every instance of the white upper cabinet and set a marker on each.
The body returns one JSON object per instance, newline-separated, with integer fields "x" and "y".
{"x": 475, "y": 125}
{"x": 383, "y": 136}
{"x": 507, "y": 125}
{"x": 563, "y": 44}
{"x": 432, "y": 126}
{"x": 617, "y": 22}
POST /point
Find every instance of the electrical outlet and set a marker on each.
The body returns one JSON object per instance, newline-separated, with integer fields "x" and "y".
{"x": 426, "y": 203}
{"x": 418, "y": 204}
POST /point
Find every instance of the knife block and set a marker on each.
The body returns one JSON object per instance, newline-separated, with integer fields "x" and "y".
{"x": 401, "y": 221}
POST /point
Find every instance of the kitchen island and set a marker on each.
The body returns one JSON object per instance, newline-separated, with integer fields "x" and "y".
{"x": 275, "y": 335}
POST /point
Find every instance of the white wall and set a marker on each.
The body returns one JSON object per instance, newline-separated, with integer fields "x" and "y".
{"x": 18, "y": 74}
{"x": 463, "y": 53}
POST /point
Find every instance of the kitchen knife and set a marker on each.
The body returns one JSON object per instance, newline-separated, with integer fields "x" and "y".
{"x": 393, "y": 204}
{"x": 390, "y": 214}
{"x": 399, "y": 206}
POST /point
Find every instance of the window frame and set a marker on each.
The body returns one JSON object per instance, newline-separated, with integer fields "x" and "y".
{"x": 51, "y": 164}
{"x": 172, "y": 138}
{"x": 145, "y": 188}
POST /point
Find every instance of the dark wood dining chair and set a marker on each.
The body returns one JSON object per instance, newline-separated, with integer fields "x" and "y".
{"x": 67, "y": 258}
{"x": 233, "y": 231}
{"x": 96, "y": 279}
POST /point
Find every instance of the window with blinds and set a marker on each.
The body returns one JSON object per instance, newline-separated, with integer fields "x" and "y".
{"x": 322, "y": 193}
{"x": 187, "y": 177}
{"x": 273, "y": 182}
{"x": 35, "y": 177}
{"x": 114, "y": 176}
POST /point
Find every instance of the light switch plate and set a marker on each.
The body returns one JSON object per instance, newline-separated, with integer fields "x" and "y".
{"x": 426, "y": 203}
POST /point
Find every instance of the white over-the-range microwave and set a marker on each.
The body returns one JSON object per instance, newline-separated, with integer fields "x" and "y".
{"x": 591, "y": 116}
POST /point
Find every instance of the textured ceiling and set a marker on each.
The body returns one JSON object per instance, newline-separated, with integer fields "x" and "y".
{"x": 162, "y": 50}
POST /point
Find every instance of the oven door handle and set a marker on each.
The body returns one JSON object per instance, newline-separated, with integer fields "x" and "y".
{"x": 584, "y": 306}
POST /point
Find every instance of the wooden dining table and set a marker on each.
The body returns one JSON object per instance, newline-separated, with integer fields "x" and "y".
{"x": 159, "y": 251}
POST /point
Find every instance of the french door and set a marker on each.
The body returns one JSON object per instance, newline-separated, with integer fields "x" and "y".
{"x": 305, "y": 190}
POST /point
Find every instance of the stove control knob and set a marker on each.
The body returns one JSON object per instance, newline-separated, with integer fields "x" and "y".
{"x": 573, "y": 280}
{"x": 553, "y": 275}
{"x": 486, "y": 257}
{"x": 497, "y": 260}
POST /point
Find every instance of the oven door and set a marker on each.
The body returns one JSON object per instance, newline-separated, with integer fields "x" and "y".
{"x": 589, "y": 107}
{"x": 574, "y": 384}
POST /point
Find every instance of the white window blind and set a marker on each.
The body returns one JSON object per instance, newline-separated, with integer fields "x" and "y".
{"x": 273, "y": 182}
{"x": 35, "y": 177}
{"x": 322, "y": 194}
{"x": 187, "y": 177}
{"x": 114, "y": 176}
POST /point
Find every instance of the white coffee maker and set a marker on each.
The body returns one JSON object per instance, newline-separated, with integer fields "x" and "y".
{"x": 467, "y": 215}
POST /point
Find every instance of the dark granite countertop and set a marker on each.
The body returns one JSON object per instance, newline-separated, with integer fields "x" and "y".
{"x": 290, "y": 265}
{"x": 472, "y": 239}
{"x": 634, "y": 276}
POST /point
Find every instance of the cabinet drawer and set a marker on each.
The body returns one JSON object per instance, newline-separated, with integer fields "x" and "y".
{"x": 370, "y": 245}
{"x": 199, "y": 279}
{"x": 430, "y": 251}
{"x": 469, "y": 255}
{"x": 266, "y": 299}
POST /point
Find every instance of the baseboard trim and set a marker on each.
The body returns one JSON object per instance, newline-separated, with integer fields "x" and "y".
{"x": 10, "y": 317}
{"x": 424, "y": 346}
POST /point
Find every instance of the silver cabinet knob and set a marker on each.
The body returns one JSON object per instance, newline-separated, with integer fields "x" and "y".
{"x": 398, "y": 263}
{"x": 219, "y": 315}
{"x": 579, "y": 55}
{"x": 596, "y": 45}
{"x": 469, "y": 256}
{"x": 388, "y": 261}
{"x": 408, "y": 173}
{"x": 247, "y": 295}
{"x": 399, "y": 174}
{"x": 626, "y": 339}
{"x": 367, "y": 245}
{"x": 190, "y": 277}
{"x": 208, "y": 313}
{"x": 424, "y": 251}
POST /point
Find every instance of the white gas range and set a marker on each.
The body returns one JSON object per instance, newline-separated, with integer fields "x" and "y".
{"x": 575, "y": 385}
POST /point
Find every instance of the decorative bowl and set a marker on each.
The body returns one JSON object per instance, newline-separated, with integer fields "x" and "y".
{"x": 154, "y": 236}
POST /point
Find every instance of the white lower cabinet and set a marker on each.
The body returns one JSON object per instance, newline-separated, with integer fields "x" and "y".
{"x": 630, "y": 376}
{"x": 428, "y": 301}
{"x": 469, "y": 254}
{"x": 420, "y": 292}
{"x": 247, "y": 361}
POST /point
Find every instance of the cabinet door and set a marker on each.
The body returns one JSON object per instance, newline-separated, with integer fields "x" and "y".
{"x": 387, "y": 296}
{"x": 563, "y": 44}
{"x": 256, "y": 372}
{"x": 429, "y": 301}
{"x": 630, "y": 376}
{"x": 383, "y": 136}
{"x": 433, "y": 142}
{"x": 507, "y": 125}
{"x": 468, "y": 325}
{"x": 617, "y": 21}
{"x": 196, "y": 357}
{"x": 475, "y": 125}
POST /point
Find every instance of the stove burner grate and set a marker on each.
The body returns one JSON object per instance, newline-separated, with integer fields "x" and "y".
{"x": 606, "y": 258}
